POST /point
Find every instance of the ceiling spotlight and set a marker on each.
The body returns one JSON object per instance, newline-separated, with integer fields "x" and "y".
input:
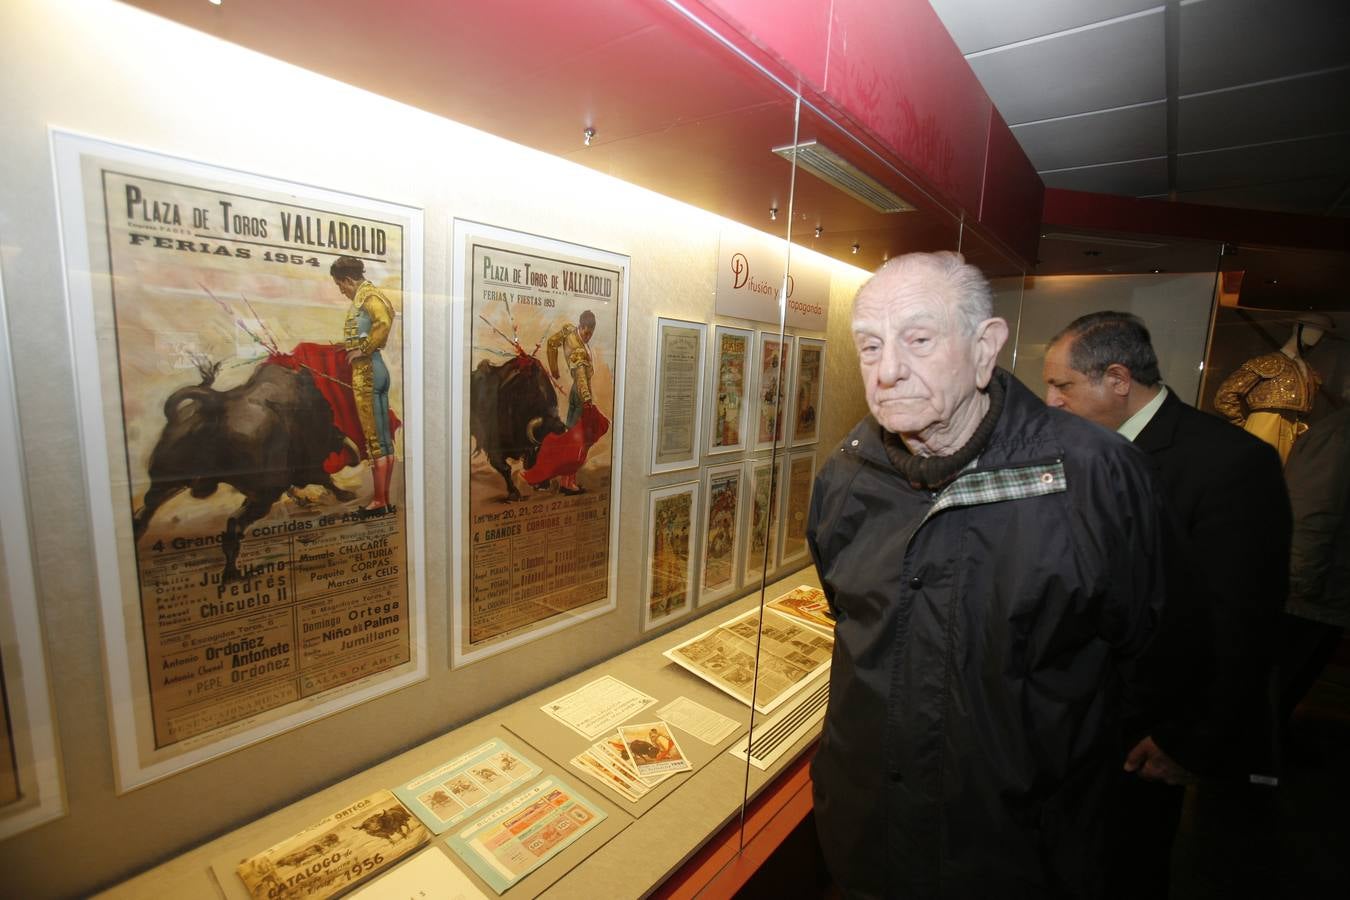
{"x": 885, "y": 256}
{"x": 856, "y": 247}
{"x": 588, "y": 135}
{"x": 819, "y": 230}
{"x": 214, "y": 2}
{"x": 1272, "y": 281}
{"x": 773, "y": 214}
{"x": 1157, "y": 271}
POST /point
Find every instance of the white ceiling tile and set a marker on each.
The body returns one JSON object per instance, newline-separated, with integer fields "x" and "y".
{"x": 1133, "y": 179}
{"x": 1098, "y": 68}
{"x": 1267, "y": 163}
{"x": 1134, "y": 132}
{"x": 1231, "y": 42}
{"x": 1272, "y": 111}
{"x": 981, "y": 24}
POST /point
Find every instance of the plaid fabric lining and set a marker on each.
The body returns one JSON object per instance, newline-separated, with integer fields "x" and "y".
{"x": 996, "y": 485}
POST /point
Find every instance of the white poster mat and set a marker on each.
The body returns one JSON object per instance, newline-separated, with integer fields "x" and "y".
{"x": 37, "y": 758}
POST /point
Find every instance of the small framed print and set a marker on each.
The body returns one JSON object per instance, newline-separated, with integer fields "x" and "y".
{"x": 672, "y": 517}
{"x": 761, "y": 519}
{"x": 772, "y": 356}
{"x": 731, "y": 389}
{"x": 803, "y": 404}
{"x": 677, "y": 398}
{"x": 799, "y": 473}
{"x": 723, "y": 497}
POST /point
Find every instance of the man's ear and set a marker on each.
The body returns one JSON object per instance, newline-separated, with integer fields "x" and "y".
{"x": 1119, "y": 378}
{"x": 990, "y": 336}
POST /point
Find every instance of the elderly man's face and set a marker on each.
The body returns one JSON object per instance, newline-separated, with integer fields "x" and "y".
{"x": 918, "y": 365}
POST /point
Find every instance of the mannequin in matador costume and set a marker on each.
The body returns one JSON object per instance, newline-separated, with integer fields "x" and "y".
{"x": 1271, "y": 395}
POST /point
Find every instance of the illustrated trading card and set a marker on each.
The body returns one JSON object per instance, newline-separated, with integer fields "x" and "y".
{"x": 653, "y": 750}
{"x": 335, "y": 853}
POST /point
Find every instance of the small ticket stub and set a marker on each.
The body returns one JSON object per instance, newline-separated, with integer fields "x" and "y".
{"x": 335, "y": 853}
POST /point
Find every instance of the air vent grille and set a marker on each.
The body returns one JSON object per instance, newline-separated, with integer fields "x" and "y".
{"x": 833, "y": 169}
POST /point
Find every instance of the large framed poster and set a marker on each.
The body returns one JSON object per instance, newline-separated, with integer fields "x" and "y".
{"x": 799, "y": 473}
{"x": 672, "y": 524}
{"x": 808, "y": 391}
{"x": 724, "y": 493}
{"x": 537, "y": 450}
{"x": 733, "y": 350}
{"x": 772, "y": 357}
{"x": 677, "y": 394}
{"x": 30, "y": 764}
{"x": 761, "y": 519}
{"x": 248, "y": 361}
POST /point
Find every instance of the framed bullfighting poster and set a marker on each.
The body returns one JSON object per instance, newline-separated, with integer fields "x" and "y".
{"x": 248, "y": 366}
{"x": 761, "y": 519}
{"x": 799, "y": 474}
{"x": 536, "y": 449}
{"x": 30, "y": 764}
{"x": 677, "y": 394}
{"x": 804, "y": 401}
{"x": 672, "y": 524}
{"x": 733, "y": 349}
{"x": 724, "y": 493}
{"x": 771, "y": 380}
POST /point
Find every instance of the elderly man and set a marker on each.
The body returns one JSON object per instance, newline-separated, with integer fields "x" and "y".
{"x": 1231, "y": 514}
{"x": 994, "y": 567}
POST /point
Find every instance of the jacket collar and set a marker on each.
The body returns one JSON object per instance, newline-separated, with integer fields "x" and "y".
{"x": 1020, "y": 432}
{"x": 1161, "y": 430}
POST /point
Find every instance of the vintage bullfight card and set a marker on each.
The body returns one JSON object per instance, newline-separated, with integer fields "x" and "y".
{"x": 654, "y": 751}
{"x": 336, "y": 853}
{"x": 806, "y": 604}
{"x": 452, "y": 792}
{"x": 248, "y": 362}
{"x": 511, "y": 841}
{"x": 536, "y": 447}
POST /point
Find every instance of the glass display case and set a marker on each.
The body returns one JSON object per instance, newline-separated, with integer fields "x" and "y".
{"x": 424, "y": 487}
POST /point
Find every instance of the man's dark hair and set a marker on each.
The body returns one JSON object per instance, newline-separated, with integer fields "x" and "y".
{"x": 587, "y": 319}
{"x": 348, "y": 267}
{"x": 1102, "y": 338}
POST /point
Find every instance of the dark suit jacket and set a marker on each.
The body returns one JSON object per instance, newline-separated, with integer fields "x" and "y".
{"x": 1230, "y": 510}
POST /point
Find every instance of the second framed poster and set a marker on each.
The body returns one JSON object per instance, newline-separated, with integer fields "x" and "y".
{"x": 732, "y": 354}
{"x": 761, "y": 520}
{"x": 808, "y": 392}
{"x": 536, "y": 450}
{"x": 799, "y": 473}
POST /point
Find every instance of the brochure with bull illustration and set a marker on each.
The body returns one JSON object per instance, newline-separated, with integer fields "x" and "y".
{"x": 806, "y": 604}
{"x": 336, "y": 853}
{"x": 452, "y": 792}
{"x": 519, "y": 836}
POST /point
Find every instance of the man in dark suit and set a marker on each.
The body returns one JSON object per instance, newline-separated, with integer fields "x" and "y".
{"x": 1230, "y": 512}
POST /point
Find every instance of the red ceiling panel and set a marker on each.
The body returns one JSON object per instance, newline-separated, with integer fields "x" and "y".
{"x": 894, "y": 69}
{"x": 795, "y": 32}
{"x": 1013, "y": 192}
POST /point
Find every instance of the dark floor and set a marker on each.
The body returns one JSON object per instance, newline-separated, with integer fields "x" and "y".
{"x": 1297, "y": 846}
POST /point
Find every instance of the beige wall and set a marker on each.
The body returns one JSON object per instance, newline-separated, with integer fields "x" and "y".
{"x": 116, "y": 73}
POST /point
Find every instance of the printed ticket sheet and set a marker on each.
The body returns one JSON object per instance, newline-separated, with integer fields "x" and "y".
{"x": 654, "y": 751}
{"x": 461, "y": 787}
{"x": 430, "y": 875}
{"x": 598, "y": 707}
{"x": 724, "y": 656}
{"x": 336, "y": 853}
{"x": 806, "y": 604}
{"x": 707, "y": 725}
{"x": 511, "y": 841}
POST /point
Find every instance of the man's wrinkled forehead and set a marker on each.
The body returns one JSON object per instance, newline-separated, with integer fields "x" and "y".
{"x": 903, "y": 300}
